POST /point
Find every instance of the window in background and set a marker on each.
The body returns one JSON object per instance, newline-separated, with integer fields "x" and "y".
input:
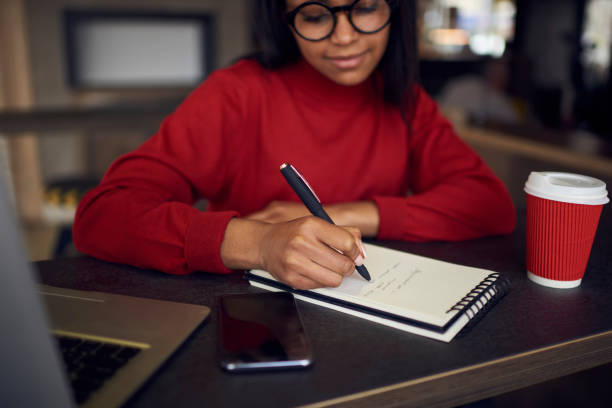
{"x": 463, "y": 29}
{"x": 594, "y": 91}
{"x": 122, "y": 49}
{"x": 597, "y": 42}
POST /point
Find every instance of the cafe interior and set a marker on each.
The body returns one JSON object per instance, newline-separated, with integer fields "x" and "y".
{"x": 527, "y": 84}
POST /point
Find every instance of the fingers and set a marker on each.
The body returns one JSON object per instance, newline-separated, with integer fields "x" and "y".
{"x": 258, "y": 216}
{"x": 347, "y": 240}
{"x": 334, "y": 249}
{"x": 328, "y": 258}
{"x": 311, "y": 275}
{"x": 309, "y": 252}
{"x": 362, "y": 252}
{"x": 279, "y": 211}
{"x": 302, "y": 282}
{"x": 268, "y": 214}
{"x": 299, "y": 271}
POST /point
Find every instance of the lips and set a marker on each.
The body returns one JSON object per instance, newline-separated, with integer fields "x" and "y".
{"x": 347, "y": 61}
{"x": 347, "y": 57}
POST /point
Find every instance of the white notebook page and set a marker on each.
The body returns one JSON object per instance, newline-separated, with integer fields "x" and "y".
{"x": 407, "y": 285}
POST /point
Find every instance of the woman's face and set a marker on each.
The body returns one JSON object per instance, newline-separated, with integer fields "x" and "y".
{"x": 347, "y": 57}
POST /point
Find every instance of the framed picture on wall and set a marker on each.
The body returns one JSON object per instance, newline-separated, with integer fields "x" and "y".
{"x": 121, "y": 49}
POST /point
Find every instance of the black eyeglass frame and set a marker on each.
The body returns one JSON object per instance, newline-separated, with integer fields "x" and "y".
{"x": 290, "y": 16}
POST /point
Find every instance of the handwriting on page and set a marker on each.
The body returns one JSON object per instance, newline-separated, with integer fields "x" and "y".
{"x": 390, "y": 281}
{"x": 387, "y": 283}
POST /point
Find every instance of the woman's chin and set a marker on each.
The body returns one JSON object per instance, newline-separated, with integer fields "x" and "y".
{"x": 348, "y": 77}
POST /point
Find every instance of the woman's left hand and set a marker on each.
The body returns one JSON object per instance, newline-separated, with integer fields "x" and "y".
{"x": 362, "y": 215}
{"x": 280, "y": 211}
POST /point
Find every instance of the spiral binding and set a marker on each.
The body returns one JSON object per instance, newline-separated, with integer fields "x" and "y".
{"x": 493, "y": 288}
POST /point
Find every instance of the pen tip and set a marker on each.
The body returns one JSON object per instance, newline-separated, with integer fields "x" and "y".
{"x": 283, "y": 166}
{"x": 363, "y": 271}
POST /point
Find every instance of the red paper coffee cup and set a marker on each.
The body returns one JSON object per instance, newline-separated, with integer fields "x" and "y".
{"x": 563, "y": 211}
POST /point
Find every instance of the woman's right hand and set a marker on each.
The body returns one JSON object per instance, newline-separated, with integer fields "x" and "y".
{"x": 303, "y": 253}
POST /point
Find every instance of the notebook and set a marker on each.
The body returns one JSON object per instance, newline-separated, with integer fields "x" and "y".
{"x": 110, "y": 344}
{"x": 416, "y": 294}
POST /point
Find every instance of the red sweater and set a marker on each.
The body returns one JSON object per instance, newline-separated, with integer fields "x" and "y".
{"x": 225, "y": 143}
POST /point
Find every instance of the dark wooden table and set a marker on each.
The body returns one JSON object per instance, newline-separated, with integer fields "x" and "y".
{"x": 534, "y": 334}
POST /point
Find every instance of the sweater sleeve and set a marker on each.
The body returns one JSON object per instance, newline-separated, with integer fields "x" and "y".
{"x": 142, "y": 212}
{"x": 454, "y": 195}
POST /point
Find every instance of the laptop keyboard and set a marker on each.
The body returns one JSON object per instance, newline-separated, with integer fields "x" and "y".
{"x": 90, "y": 363}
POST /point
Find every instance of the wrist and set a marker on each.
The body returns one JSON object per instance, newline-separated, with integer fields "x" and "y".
{"x": 240, "y": 248}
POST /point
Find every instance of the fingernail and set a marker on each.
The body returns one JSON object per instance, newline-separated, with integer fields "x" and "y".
{"x": 359, "y": 260}
{"x": 363, "y": 251}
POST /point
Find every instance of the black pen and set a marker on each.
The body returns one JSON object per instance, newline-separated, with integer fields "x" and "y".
{"x": 311, "y": 201}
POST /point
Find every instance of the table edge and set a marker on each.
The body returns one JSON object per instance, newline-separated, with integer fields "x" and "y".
{"x": 478, "y": 381}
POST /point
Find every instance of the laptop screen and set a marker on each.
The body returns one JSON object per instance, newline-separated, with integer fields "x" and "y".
{"x": 32, "y": 374}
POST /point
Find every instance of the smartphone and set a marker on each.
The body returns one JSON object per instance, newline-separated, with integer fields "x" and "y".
{"x": 261, "y": 331}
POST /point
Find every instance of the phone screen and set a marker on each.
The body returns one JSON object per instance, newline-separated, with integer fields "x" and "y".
{"x": 261, "y": 331}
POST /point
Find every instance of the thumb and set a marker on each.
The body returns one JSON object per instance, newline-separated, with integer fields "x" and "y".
{"x": 360, "y": 255}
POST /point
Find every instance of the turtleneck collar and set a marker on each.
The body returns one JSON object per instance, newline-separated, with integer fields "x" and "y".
{"x": 305, "y": 81}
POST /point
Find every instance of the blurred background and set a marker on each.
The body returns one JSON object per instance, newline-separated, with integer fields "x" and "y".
{"x": 526, "y": 83}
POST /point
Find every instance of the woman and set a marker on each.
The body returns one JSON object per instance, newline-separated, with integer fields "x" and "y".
{"x": 332, "y": 93}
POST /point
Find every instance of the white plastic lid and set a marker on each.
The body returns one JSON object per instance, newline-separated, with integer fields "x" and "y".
{"x": 567, "y": 187}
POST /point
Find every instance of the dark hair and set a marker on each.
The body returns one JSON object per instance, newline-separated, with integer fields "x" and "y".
{"x": 398, "y": 66}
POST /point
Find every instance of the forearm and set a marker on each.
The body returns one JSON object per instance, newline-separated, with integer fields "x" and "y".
{"x": 139, "y": 228}
{"x": 361, "y": 214}
{"x": 134, "y": 228}
{"x": 449, "y": 212}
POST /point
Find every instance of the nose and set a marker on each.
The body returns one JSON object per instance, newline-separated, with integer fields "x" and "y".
{"x": 344, "y": 33}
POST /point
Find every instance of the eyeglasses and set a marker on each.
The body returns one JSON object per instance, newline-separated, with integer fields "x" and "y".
{"x": 314, "y": 21}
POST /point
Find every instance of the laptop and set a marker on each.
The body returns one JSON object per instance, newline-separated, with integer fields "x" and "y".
{"x": 62, "y": 347}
